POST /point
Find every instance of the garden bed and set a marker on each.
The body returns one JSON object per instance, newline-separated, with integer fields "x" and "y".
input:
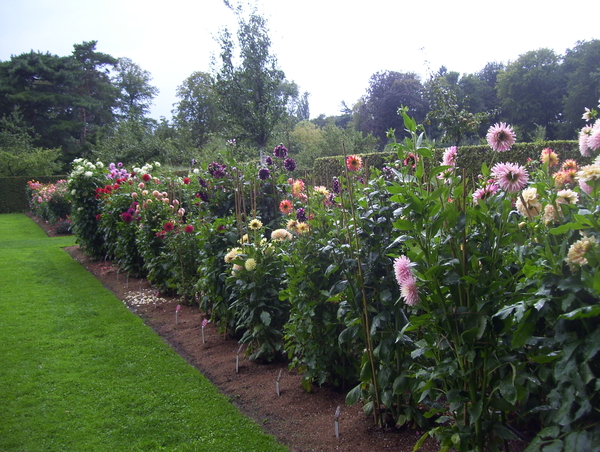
{"x": 302, "y": 421}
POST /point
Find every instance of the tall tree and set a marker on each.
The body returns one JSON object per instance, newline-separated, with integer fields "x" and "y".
{"x": 581, "y": 66}
{"x": 136, "y": 92}
{"x": 253, "y": 93}
{"x": 531, "y": 90}
{"x": 96, "y": 96}
{"x": 198, "y": 113}
{"x": 388, "y": 91}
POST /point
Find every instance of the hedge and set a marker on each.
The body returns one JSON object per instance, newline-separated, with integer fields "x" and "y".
{"x": 13, "y": 197}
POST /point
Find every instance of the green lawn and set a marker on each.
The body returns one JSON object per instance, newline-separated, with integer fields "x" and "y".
{"x": 79, "y": 372}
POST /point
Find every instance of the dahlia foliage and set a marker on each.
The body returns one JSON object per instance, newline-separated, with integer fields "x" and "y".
{"x": 463, "y": 308}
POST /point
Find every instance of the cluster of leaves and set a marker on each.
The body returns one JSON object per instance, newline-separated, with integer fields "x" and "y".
{"x": 496, "y": 341}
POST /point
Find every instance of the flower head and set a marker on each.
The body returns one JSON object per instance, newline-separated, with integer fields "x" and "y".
{"x": 280, "y": 151}
{"x": 302, "y": 228}
{"x": 289, "y": 164}
{"x": 255, "y": 224}
{"x": 169, "y": 226}
{"x": 189, "y": 228}
{"x": 354, "y": 162}
{"x": 501, "y": 137}
{"x": 286, "y": 207}
{"x": 449, "y": 158}
{"x": 336, "y": 186}
{"x": 485, "y": 192}
{"x": 511, "y": 177}
{"x": 297, "y": 187}
{"x": 301, "y": 215}
{"x": 567, "y": 197}
{"x": 549, "y": 157}
{"x": 550, "y": 214}
{"x": 402, "y": 270}
{"x": 578, "y": 250}
{"x": 411, "y": 160}
{"x": 264, "y": 173}
{"x": 281, "y": 235}
{"x": 146, "y": 177}
{"x": 291, "y": 225}
{"x": 528, "y": 204}
{"x": 588, "y": 173}
{"x": 186, "y": 180}
{"x": 127, "y": 217}
{"x": 409, "y": 292}
{"x": 250, "y": 264}
{"x": 232, "y": 255}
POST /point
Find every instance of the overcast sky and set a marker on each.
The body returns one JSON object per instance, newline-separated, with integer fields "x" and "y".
{"x": 328, "y": 47}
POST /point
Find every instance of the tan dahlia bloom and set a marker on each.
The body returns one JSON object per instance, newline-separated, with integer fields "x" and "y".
{"x": 281, "y": 235}
{"x": 567, "y": 197}
{"x": 589, "y": 172}
{"x": 550, "y": 215}
{"x": 528, "y": 204}
{"x": 232, "y": 254}
{"x": 577, "y": 251}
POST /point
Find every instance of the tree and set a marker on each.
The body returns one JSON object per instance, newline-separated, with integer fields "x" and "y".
{"x": 136, "y": 93}
{"x": 447, "y": 109}
{"x": 581, "y": 67}
{"x": 95, "y": 95}
{"x": 18, "y": 156}
{"x": 253, "y": 94}
{"x": 388, "y": 91}
{"x": 198, "y": 113}
{"x": 531, "y": 90}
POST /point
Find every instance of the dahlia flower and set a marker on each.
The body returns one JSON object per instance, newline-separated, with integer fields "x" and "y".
{"x": 354, "y": 162}
{"x": 511, "y": 177}
{"x": 501, "y": 137}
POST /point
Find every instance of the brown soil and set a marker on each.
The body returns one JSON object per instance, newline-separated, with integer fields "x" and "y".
{"x": 300, "y": 420}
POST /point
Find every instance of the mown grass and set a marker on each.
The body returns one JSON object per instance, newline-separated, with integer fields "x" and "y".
{"x": 79, "y": 372}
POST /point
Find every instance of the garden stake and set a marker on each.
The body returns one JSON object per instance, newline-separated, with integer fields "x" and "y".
{"x": 277, "y": 382}
{"x": 177, "y": 312}
{"x": 204, "y": 323}
{"x": 237, "y": 360}
{"x": 336, "y": 423}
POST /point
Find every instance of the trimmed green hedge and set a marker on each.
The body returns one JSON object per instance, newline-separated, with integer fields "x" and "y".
{"x": 13, "y": 197}
{"x": 469, "y": 157}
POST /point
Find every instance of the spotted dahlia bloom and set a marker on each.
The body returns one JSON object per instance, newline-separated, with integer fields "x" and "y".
{"x": 280, "y": 151}
{"x": 511, "y": 177}
{"x": 354, "y": 162}
{"x": 578, "y": 250}
{"x": 501, "y": 137}
{"x": 264, "y": 173}
{"x": 289, "y": 164}
{"x": 336, "y": 186}
{"x": 300, "y": 215}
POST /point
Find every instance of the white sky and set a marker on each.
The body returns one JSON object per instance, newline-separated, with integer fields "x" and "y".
{"x": 328, "y": 47}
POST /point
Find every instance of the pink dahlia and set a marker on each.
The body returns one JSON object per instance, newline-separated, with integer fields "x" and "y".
{"x": 501, "y": 137}
{"x": 449, "y": 158}
{"x": 584, "y": 134}
{"x": 402, "y": 269}
{"x": 485, "y": 192}
{"x": 409, "y": 292}
{"x": 594, "y": 139}
{"x": 511, "y": 177}
{"x": 354, "y": 163}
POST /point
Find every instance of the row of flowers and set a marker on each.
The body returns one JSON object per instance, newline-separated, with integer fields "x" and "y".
{"x": 465, "y": 308}
{"x": 49, "y": 202}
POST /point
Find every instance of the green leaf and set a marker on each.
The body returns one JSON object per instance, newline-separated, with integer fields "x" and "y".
{"x": 354, "y": 395}
{"x": 509, "y": 392}
{"x": 265, "y": 318}
{"x": 578, "y": 442}
{"x": 582, "y": 313}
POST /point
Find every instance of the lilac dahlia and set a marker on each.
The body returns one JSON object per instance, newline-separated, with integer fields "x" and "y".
{"x": 511, "y": 177}
{"x": 501, "y": 137}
